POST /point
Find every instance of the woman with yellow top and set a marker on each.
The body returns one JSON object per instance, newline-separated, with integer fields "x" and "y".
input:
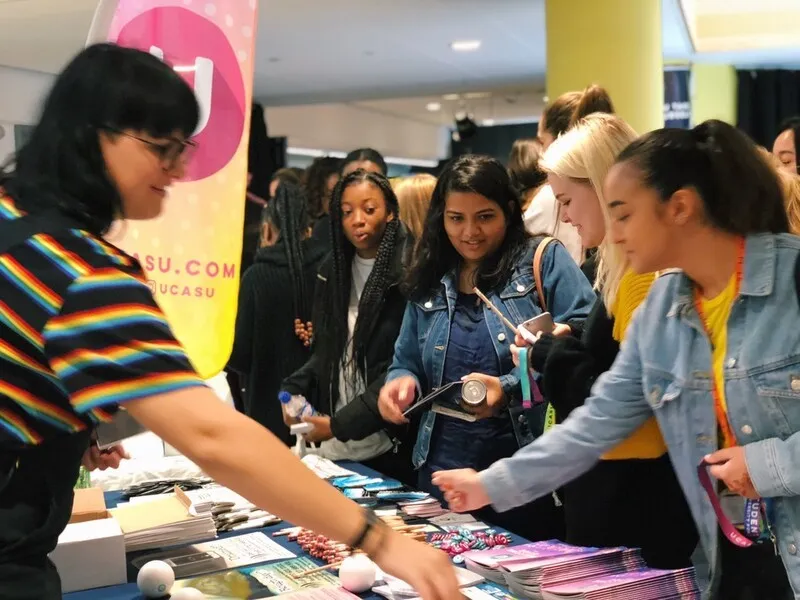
{"x": 634, "y": 486}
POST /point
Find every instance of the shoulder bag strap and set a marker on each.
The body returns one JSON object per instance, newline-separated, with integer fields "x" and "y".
{"x": 537, "y": 270}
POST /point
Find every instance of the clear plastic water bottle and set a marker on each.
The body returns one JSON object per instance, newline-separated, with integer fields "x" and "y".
{"x": 296, "y": 407}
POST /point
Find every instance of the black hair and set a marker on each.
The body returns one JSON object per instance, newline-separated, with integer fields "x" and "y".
{"x": 366, "y": 155}
{"x": 104, "y": 88}
{"x": 316, "y": 182}
{"x": 569, "y": 108}
{"x": 288, "y": 175}
{"x": 336, "y": 328}
{"x": 792, "y": 123}
{"x": 288, "y": 214}
{"x": 435, "y": 255}
{"x": 741, "y": 193}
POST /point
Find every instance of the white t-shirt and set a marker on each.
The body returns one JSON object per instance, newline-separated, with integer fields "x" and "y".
{"x": 351, "y": 384}
{"x": 542, "y": 217}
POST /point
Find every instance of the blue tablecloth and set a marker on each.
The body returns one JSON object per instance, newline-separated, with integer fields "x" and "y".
{"x": 129, "y": 591}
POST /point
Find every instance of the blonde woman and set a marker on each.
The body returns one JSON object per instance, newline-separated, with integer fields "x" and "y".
{"x": 634, "y": 486}
{"x": 414, "y": 195}
{"x": 790, "y": 182}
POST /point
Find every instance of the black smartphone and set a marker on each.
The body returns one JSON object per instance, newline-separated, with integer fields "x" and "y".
{"x": 428, "y": 400}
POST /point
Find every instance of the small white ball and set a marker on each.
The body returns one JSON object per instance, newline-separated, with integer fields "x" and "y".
{"x": 357, "y": 573}
{"x": 155, "y": 579}
{"x": 187, "y": 594}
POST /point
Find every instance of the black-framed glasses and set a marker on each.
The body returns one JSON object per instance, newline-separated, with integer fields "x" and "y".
{"x": 169, "y": 152}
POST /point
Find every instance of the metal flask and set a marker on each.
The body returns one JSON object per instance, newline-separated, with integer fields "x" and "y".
{"x": 473, "y": 395}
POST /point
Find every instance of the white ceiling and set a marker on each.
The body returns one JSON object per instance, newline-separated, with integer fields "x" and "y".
{"x": 311, "y": 51}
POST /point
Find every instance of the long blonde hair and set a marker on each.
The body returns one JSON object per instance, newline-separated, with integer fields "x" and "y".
{"x": 414, "y": 195}
{"x": 790, "y": 184}
{"x": 585, "y": 154}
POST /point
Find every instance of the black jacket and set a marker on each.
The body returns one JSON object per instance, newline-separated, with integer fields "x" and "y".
{"x": 570, "y": 365}
{"x": 360, "y": 417}
{"x": 265, "y": 347}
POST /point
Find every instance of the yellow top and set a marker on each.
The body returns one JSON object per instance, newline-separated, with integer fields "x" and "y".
{"x": 647, "y": 441}
{"x": 715, "y": 314}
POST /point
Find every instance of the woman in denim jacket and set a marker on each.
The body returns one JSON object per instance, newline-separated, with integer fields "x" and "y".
{"x": 474, "y": 236}
{"x": 714, "y": 354}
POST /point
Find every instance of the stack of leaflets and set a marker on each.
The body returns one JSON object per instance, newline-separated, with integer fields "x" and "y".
{"x": 163, "y": 522}
{"x": 422, "y": 509}
{"x": 488, "y": 562}
{"x": 644, "y": 584}
{"x": 526, "y": 578}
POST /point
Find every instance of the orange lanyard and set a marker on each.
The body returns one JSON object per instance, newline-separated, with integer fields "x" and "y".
{"x": 728, "y": 437}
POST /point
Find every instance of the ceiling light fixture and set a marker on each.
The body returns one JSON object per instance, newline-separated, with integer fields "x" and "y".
{"x": 465, "y": 45}
{"x": 488, "y": 123}
{"x": 451, "y": 97}
{"x": 433, "y": 106}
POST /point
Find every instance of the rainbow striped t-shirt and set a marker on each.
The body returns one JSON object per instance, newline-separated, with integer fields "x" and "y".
{"x": 80, "y": 334}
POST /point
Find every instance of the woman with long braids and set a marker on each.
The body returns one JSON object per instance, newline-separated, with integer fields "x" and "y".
{"x": 474, "y": 237}
{"x": 356, "y": 328}
{"x": 272, "y": 327}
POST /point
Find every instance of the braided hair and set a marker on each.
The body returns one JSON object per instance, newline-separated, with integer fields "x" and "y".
{"x": 336, "y": 330}
{"x": 288, "y": 213}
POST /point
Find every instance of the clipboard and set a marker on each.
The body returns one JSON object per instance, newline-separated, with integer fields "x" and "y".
{"x": 430, "y": 398}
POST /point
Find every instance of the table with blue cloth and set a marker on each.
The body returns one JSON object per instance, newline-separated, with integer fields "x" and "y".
{"x": 129, "y": 591}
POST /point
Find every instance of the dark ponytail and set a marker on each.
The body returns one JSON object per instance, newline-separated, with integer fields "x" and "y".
{"x": 594, "y": 99}
{"x": 288, "y": 213}
{"x": 741, "y": 193}
{"x": 566, "y": 110}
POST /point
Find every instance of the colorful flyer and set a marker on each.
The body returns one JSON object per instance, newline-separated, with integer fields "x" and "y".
{"x": 260, "y": 582}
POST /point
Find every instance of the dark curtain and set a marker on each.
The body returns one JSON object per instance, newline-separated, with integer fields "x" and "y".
{"x": 765, "y": 98}
{"x": 494, "y": 141}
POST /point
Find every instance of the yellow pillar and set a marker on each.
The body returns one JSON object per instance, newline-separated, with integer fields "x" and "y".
{"x": 614, "y": 43}
{"x": 714, "y": 89}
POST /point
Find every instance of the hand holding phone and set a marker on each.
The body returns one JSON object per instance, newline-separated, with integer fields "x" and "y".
{"x": 532, "y": 328}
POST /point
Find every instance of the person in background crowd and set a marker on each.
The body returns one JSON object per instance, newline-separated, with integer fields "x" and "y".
{"x": 558, "y": 116}
{"x": 523, "y": 168}
{"x": 634, "y": 484}
{"x": 712, "y": 353}
{"x": 787, "y": 145}
{"x": 790, "y": 182}
{"x": 291, "y": 175}
{"x": 83, "y": 336}
{"x": 364, "y": 158}
{"x": 356, "y": 327}
{"x": 367, "y": 159}
{"x": 414, "y": 196}
{"x": 273, "y": 329}
{"x": 474, "y": 236}
{"x": 321, "y": 177}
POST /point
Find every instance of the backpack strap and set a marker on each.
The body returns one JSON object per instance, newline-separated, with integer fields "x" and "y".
{"x": 537, "y": 270}
{"x": 18, "y": 231}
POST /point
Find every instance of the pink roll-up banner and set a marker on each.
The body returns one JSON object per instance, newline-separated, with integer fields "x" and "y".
{"x": 191, "y": 253}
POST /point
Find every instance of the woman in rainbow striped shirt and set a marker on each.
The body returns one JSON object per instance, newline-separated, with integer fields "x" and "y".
{"x": 81, "y": 334}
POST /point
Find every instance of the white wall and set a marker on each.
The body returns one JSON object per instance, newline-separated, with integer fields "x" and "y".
{"x": 21, "y": 93}
{"x": 344, "y": 127}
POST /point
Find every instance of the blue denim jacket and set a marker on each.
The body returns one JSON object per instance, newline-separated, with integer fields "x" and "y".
{"x": 421, "y": 346}
{"x": 664, "y": 368}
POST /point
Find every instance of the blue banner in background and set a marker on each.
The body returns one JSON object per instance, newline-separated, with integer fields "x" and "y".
{"x": 677, "y": 102}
